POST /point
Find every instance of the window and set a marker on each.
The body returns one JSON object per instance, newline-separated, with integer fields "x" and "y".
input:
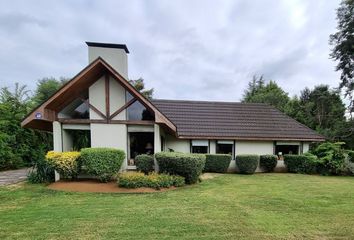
{"x": 283, "y": 149}
{"x": 77, "y": 109}
{"x": 200, "y": 146}
{"x": 138, "y": 111}
{"x": 140, "y": 143}
{"x": 224, "y": 147}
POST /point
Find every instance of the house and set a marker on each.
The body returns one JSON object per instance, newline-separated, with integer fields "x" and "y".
{"x": 100, "y": 102}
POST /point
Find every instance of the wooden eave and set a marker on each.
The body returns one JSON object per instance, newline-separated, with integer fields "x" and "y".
{"x": 74, "y": 88}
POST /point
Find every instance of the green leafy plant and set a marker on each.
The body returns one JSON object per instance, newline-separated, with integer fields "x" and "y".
{"x": 331, "y": 158}
{"x": 42, "y": 172}
{"x": 305, "y": 163}
{"x": 247, "y": 163}
{"x": 67, "y": 164}
{"x": 217, "y": 162}
{"x": 268, "y": 162}
{"x": 152, "y": 180}
{"x": 103, "y": 163}
{"x": 349, "y": 161}
{"x": 144, "y": 163}
{"x": 189, "y": 166}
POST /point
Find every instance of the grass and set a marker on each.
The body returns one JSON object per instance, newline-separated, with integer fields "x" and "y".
{"x": 261, "y": 206}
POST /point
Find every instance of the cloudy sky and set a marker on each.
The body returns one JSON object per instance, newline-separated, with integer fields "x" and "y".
{"x": 205, "y": 50}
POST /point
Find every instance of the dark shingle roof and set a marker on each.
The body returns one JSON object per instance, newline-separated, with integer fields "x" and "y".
{"x": 198, "y": 119}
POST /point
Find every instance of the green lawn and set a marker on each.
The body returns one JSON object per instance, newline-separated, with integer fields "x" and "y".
{"x": 261, "y": 206}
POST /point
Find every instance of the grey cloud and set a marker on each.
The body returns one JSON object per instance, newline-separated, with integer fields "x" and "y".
{"x": 184, "y": 49}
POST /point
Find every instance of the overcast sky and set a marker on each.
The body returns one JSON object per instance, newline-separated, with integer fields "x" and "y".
{"x": 205, "y": 50}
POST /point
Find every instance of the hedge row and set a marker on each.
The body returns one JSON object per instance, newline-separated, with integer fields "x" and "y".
{"x": 152, "y": 180}
{"x": 103, "y": 163}
{"x": 218, "y": 163}
{"x": 189, "y": 166}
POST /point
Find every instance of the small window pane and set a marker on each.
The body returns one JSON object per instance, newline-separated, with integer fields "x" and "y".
{"x": 224, "y": 148}
{"x": 137, "y": 111}
{"x": 199, "y": 149}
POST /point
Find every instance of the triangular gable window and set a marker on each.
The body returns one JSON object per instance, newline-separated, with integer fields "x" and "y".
{"x": 138, "y": 111}
{"x": 77, "y": 109}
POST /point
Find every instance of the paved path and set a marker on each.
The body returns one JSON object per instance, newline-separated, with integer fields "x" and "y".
{"x": 13, "y": 176}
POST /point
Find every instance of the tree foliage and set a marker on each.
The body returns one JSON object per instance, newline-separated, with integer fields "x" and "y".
{"x": 18, "y": 146}
{"x": 259, "y": 91}
{"x": 139, "y": 85}
{"x": 46, "y": 87}
{"x": 343, "y": 47}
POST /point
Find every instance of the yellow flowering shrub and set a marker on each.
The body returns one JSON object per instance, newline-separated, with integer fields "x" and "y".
{"x": 67, "y": 164}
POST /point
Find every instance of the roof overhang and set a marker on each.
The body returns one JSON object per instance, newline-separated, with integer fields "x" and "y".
{"x": 42, "y": 116}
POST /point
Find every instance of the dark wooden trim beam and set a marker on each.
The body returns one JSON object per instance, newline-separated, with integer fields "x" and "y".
{"x": 122, "y": 108}
{"x": 107, "y": 96}
{"x": 80, "y": 121}
{"x": 131, "y": 122}
{"x": 94, "y": 108}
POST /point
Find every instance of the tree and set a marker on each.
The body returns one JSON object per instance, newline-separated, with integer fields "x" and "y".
{"x": 46, "y": 87}
{"x": 343, "y": 48}
{"x": 139, "y": 85}
{"x": 260, "y": 92}
{"x": 18, "y": 146}
{"x": 321, "y": 109}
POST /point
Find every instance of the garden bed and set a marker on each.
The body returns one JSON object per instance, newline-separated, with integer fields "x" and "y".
{"x": 93, "y": 186}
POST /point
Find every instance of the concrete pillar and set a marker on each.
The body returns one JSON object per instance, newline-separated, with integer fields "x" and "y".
{"x": 57, "y": 142}
{"x": 212, "y": 146}
{"x": 157, "y": 143}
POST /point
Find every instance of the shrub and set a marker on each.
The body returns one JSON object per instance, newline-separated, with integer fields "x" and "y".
{"x": 189, "y": 166}
{"x": 42, "y": 172}
{"x": 247, "y": 163}
{"x": 102, "y": 163}
{"x": 144, "y": 163}
{"x": 152, "y": 180}
{"x": 67, "y": 164}
{"x": 306, "y": 163}
{"x": 331, "y": 158}
{"x": 217, "y": 162}
{"x": 268, "y": 162}
{"x": 350, "y": 161}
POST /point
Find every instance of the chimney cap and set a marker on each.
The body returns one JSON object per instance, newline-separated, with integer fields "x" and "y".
{"x": 108, "y": 45}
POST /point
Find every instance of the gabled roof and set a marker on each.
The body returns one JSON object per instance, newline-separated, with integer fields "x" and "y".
{"x": 72, "y": 89}
{"x": 232, "y": 120}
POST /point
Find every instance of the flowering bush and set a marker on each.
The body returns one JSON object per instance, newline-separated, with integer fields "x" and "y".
{"x": 67, "y": 164}
{"x": 152, "y": 180}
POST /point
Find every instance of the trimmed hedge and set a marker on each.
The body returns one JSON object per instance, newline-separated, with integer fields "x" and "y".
{"x": 103, "y": 163}
{"x": 67, "y": 164}
{"x": 247, "y": 163}
{"x": 152, "y": 180}
{"x": 268, "y": 162}
{"x": 305, "y": 163}
{"x": 189, "y": 166}
{"x": 144, "y": 163}
{"x": 217, "y": 162}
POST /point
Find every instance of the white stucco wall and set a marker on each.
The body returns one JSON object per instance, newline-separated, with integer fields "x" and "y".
{"x": 178, "y": 145}
{"x": 116, "y": 98}
{"x": 110, "y": 135}
{"x": 253, "y": 147}
{"x": 97, "y": 98}
{"x": 115, "y": 57}
{"x": 305, "y": 147}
